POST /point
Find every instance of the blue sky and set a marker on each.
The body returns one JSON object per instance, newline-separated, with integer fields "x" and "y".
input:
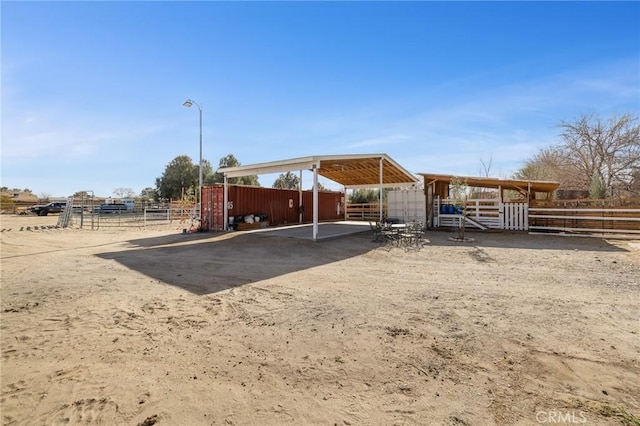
{"x": 92, "y": 92}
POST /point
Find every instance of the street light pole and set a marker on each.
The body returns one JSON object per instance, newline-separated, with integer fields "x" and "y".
{"x": 188, "y": 104}
{"x": 200, "y": 163}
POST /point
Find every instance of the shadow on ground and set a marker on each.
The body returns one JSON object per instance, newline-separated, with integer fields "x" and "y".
{"x": 522, "y": 240}
{"x": 209, "y": 263}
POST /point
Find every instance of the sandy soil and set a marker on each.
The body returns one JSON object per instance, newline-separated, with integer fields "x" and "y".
{"x": 153, "y": 326}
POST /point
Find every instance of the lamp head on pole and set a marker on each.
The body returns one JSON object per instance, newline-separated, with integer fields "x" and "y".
{"x": 188, "y": 103}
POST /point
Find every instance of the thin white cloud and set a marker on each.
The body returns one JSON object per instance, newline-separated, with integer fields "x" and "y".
{"x": 71, "y": 136}
{"x": 380, "y": 141}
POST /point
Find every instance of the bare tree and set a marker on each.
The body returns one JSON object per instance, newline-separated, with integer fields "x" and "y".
{"x": 595, "y": 154}
{"x": 124, "y": 193}
{"x": 486, "y": 167}
{"x": 634, "y": 187}
{"x": 485, "y": 171}
{"x": 606, "y": 150}
{"x": 547, "y": 164}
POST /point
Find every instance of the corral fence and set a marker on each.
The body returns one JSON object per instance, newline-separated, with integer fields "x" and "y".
{"x": 619, "y": 216}
{"x": 122, "y": 219}
{"x": 179, "y": 213}
{"x": 365, "y": 211}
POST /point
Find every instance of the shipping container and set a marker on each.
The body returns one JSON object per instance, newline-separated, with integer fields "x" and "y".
{"x": 275, "y": 206}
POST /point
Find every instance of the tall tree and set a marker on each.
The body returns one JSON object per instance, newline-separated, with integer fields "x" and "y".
{"x": 598, "y": 188}
{"x": 595, "y": 153}
{"x": 207, "y": 172}
{"x": 148, "y": 194}
{"x": 180, "y": 178}
{"x": 364, "y": 195}
{"x": 231, "y": 161}
{"x": 287, "y": 181}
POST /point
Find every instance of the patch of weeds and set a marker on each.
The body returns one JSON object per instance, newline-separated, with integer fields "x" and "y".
{"x": 397, "y": 331}
{"x": 606, "y": 410}
{"x": 458, "y": 421}
{"x": 626, "y": 418}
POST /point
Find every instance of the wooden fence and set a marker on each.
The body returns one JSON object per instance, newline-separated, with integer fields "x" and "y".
{"x": 620, "y": 216}
{"x": 585, "y": 220}
{"x": 365, "y": 211}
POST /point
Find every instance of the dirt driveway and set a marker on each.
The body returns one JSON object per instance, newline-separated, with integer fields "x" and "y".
{"x": 159, "y": 327}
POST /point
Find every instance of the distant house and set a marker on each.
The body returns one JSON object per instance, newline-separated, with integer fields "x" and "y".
{"x": 21, "y": 196}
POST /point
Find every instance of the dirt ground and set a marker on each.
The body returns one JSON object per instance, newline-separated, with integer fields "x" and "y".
{"x": 142, "y": 327}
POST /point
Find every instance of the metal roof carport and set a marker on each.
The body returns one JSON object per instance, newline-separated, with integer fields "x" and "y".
{"x": 351, "y": 171}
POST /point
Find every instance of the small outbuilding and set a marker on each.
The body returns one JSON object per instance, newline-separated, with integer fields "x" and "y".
{"x": 439, "y": 185}
{"x": 483, "y": 211}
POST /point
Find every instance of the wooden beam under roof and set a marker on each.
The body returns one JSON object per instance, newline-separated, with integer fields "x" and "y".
{"x": 488, "y": 182}
{"x": 358, "y": 170}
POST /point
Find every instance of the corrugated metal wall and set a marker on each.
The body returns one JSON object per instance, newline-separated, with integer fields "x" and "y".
{"x": 407, "y": 204}
{"x": 279, "y": 205}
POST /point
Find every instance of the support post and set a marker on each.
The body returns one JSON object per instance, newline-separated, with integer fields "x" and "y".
{"x": 200, "y": 174}
{"x": 344, "y": 203}
{"x": 300, "y": 199}
{"x": 225, "y": 198}
{"x": 315, "y": 202}
{"x": 380, "y": 195}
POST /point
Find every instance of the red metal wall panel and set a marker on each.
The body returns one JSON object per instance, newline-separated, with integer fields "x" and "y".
{"x": 274, "y": 203}
{"x": 212, "y": 201}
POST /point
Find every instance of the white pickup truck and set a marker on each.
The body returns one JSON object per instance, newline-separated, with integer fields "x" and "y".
{"x": 127, "y": 205}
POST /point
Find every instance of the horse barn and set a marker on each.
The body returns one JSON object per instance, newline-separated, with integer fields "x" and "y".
{"x": 488, "y": 203}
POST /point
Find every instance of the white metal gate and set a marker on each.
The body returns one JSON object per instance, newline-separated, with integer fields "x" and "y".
{"x": 483, "y": 214}
{"x": 514, "y": 216}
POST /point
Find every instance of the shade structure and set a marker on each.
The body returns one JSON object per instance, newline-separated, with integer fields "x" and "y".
{"x": 351, "y": 171}
{"x": 521, "y": 185}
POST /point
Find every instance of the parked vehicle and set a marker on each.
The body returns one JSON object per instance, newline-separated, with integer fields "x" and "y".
{"x": 45, "y": 209}
{"x": 127, "y": 205}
